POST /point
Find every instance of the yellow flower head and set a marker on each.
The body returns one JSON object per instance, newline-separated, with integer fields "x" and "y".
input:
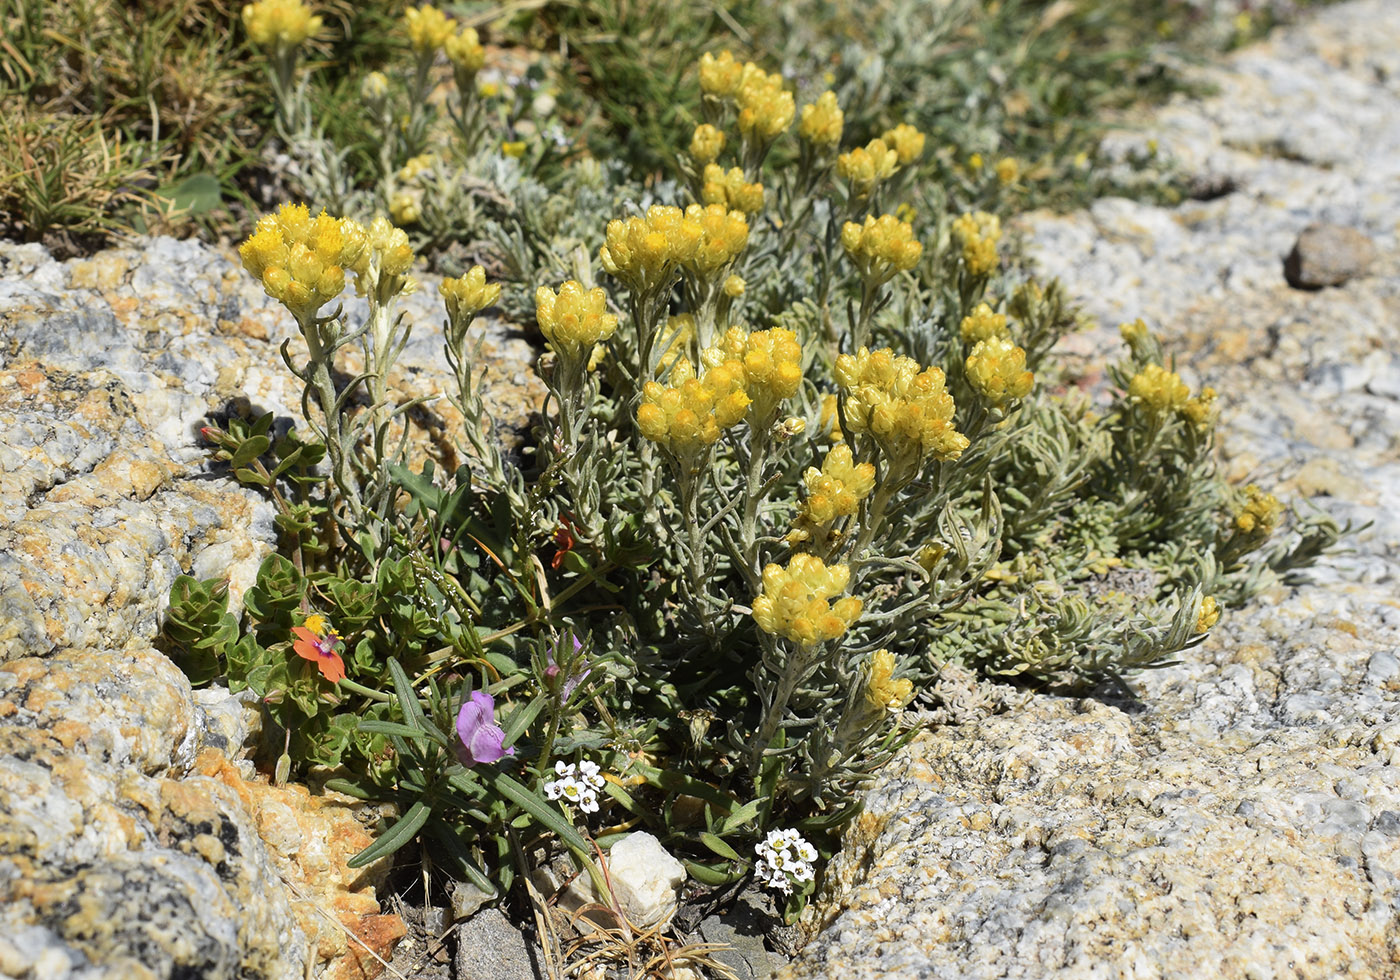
{"x": 1209, "y": 614}
{"x": 374, "y": 86}
{"x": 707, "y": 144}
{"x": 734, "y": 286}
{"x": 427, "y": 28}
{"x": 1158, "y": 391}
{"x": 881, "y": 247}
{"x": 1007, "y": 170}
{"x": 417, "y": 166}
{"x": 689, "y": 416}
{"x": 908, "y": 410}
{"x": 765, "y": 107}
{"x": 719, "y": 76}
{"x": 882, "y": 692}
{"x": 978, "y": 233}
{"x": 822, "y": 122}
{"x": 1199, "y": 410}
{"x": 907, "y": 141}
{"x": 996, "y": 369}
{"x": 771, "y": 361}
{"x": 731, "y": 190}
{"x": 866, "y": 166}
{"x": 406, "y": 207}
{"x": 469, "y": 294}
{"x": 513, "y": 148}
{"x": 833, "y": 492}
{"x": 1261, "y": 513}
{"x": 644, "y": 252}
{"x": 1135, "y": 333}
{"x": 301, "y": 261}
{"x": 719, "y": 234}
{"x": 465, "y": 52}
{"x": 983, "y": 324}
{"x": 574, "y": 319}
{"x": 280, "y": 23}
{"x": 796, "y": 601}
{"x": 385, "y": 259}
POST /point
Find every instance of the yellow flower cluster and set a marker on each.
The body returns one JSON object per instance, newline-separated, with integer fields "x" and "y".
{"x": 386, "y": 258}
{"x": 865, "y": 167}
{"x": 771, "y": 362}
{"x": 1007, "y": 170}
{"x": 707, "y": 144}
{"x": 1198, "y": 410}
{"x": 688, "y": 417}
{"x": 279, "y": 23}
{"x": 796, "y": 601}
{"x": 1134, "y": 334}
{"x": 765, "y": 108}
{"x": 374, "y": 86}
{"x": 1158, "y": 390}
{"x": 417, "y": 165}
{"x": 468, "y": 294}
{"x": 907, "y": 141}
{"x": 729, "y": 189}
{"x": 644, "y": 251}
{"x": 822, "y": 122}
{"x": 834, "y": 491}
{"x": 574, "y": 319}
{"x": 978, "y": 233}
{"x": 427, "y": 28}
{"x": 908, "y": 410}
{"x": 1261, "y": 513}
{"x": 882, "y": 692}
{"x": 720, "y": 76}
{"x": 723, "y": 235}
{"x": 996, "y": 369}
{"x": 983, "y": 324}
{"x": 301, "y": 261}
{"x": 1209, "y": 614}
{"x": 465, "y": 52}
{"x": 881, "y": 247}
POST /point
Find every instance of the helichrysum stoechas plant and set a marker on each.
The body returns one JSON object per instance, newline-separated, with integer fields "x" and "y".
{"x": 802, "y": 450}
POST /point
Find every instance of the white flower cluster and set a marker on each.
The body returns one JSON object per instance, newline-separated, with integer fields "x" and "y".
{"x": 576, "y": 784}
{"x": 784, "y": 858}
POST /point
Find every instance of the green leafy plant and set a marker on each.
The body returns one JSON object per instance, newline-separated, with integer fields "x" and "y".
{"x": 806, "y": 447}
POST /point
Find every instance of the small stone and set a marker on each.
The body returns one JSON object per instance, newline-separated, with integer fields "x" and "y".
{"x": 646, "y": 880}
{"x": 1328, "y": 255}
{"x": 490, "y": 948}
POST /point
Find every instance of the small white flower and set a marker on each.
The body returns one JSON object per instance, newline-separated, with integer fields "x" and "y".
{"x": 577, "y": 785}
{"x": 784, "y": 858}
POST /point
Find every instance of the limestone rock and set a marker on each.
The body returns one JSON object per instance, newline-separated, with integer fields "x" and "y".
{"x": 1327, "y": 255}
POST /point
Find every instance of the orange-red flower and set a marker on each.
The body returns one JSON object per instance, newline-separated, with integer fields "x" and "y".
{"x": 316, "y": 642}
{"x": 564, "y": 542}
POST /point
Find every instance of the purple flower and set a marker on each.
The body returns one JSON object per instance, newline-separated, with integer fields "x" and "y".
{"x": 552, "y": 672}
{"x": 481, "y": 736}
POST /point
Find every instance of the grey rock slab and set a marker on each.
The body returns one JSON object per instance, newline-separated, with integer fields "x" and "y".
{"x": 489, "y": 947}
{"x": 1327, "y": 255}
{"x": 1238, "y": 819}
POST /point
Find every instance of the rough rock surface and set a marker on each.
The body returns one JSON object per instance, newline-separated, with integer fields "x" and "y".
{"x": 1242, "y": 817}
{"x": 133, "y": 843}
